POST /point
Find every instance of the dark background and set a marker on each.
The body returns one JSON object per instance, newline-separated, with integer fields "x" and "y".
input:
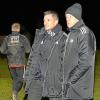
{"x": 30, "y": 14}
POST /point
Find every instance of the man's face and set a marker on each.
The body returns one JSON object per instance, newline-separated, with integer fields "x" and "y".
{"x": 71, "y": 20}
{"x": 50, "y": 22}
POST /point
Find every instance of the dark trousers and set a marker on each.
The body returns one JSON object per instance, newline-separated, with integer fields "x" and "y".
{"x": 17, "y": 77}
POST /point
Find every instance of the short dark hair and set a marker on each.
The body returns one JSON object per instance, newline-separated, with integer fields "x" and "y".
{"x": 54, "y": 14}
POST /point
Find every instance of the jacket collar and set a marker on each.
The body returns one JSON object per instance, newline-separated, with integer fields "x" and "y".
{"x": 15, "y": 33}
{"x": 54, "y": 34}
{"x": 77, "y": 25}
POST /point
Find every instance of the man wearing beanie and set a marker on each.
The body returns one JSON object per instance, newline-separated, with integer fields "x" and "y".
{"x": 78, "y": 77}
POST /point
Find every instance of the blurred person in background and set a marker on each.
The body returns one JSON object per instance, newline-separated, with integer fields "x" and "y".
{"x": 15, "y": 46}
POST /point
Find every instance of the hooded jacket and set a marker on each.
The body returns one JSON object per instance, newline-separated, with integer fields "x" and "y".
{"x": 79, "y": 63}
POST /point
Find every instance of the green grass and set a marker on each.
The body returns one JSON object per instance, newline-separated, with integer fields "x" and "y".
{"x": 6, "y": 81}
{"x": 6, "y": 89}
{"x": 97, "y": 77}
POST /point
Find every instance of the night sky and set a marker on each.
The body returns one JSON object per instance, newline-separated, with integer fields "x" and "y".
{"x": 30, "y": 14}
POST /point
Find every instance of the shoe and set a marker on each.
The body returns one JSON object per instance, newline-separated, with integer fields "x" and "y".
{"x": 15, "y": 96}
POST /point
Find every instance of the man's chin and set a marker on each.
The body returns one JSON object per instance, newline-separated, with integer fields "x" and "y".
{"x": 47, "y": 29}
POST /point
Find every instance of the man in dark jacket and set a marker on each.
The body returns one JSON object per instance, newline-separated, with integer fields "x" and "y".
{"x": 79, "y": 58}
{"x": 44, "y": 69}
{"x": 15, "y": 46}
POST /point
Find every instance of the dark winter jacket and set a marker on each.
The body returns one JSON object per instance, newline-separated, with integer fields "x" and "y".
{"x": 45, "y": 61}
{"x": 79, "y": 63}
{"x": 15, "y": 46}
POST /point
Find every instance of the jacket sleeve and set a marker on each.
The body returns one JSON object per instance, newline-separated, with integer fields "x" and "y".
{"x": 32, "y": 67}
{"x": 27, "y": 45}
{"x": 3, "y": 47}
{"x": 87, "y": 48}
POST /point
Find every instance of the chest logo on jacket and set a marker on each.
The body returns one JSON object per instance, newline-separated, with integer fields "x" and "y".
{"x": 71, "y": 41}
{"x": 56, "y": 42}
{"x": 14, "y": 39}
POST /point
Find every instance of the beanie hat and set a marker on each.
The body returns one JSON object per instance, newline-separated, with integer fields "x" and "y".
{"x": 75, "y": 10}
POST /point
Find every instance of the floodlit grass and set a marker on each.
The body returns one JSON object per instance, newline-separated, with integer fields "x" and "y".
{"x": 6, "y": 89}
{"x": 6, "y": 81}
{"x": 97, "y": 77}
